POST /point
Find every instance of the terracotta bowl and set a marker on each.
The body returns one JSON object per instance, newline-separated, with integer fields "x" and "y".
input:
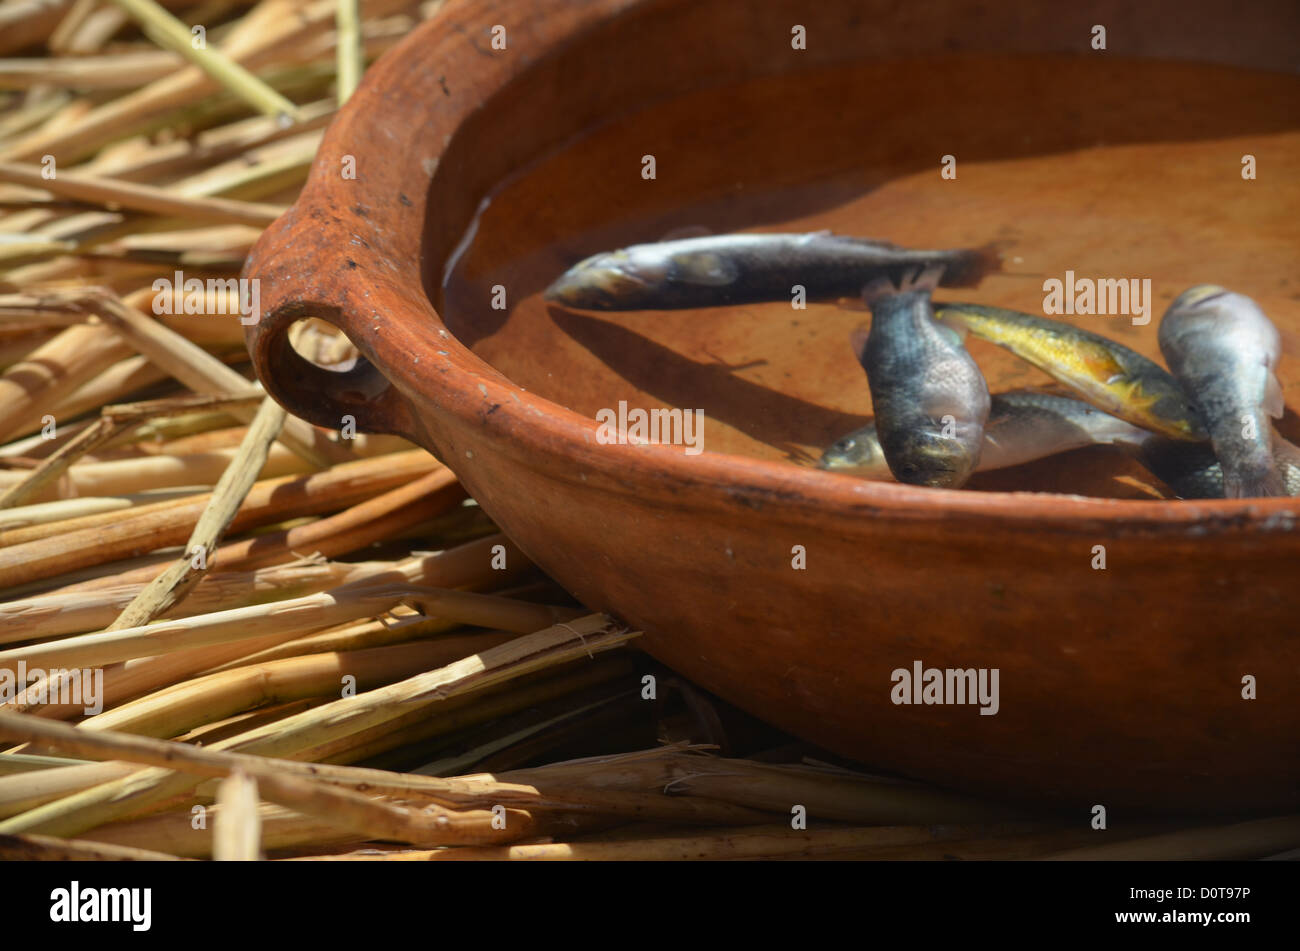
{"x": 1120, "y": 686}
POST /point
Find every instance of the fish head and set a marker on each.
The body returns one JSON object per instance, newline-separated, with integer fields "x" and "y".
{"x": 930, "y": 458}
{"x": 858, "y": 453}
{"x": 612, "y": 280}
{"x": 1193, "y": 311}
{"x": 1206, "y": 316}
{"x": 1198, "y": 296}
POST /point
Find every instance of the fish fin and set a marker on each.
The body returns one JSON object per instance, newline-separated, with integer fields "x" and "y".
{"x": 925, "y": 278}
{"x": 953, "y": 334}
{"x": 1254, "y": 485}
{"x": 953, "y": 325}
{"x": 970, "y": 267}
{"x": 950, "y": 316}
{"x": 921, "y": 278}
{"x": 1100, "y": 362}
{"x": 877, "y": 289}
{"x": 798, "y": 455}
{"x": 858, "y": 341}
{"x": 684, "y": 232}
{"x": 876, "y": 243}
{"x": 705, "y": 267}
{"x": 1273, "y": 403}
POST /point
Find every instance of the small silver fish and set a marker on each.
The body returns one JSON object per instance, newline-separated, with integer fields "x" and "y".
{"x": 858, "y": 454}
{"x": 930, "y": 398}
{"x": 718, "y": 270}
{"x": 1224, "y": 352}
{"x": 1023, "y": 425}
{"x": 1193, "y": 471}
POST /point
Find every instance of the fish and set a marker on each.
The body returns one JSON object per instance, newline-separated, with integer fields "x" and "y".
{"x": 1022, "y": 426}
{"x": 718, "y": 270}
{"x": 858, "y": 454}
{"x": 1224, "y": 351}
{"x": 930, "y": 397}
{"x": 1107, "y": 374}
{"x": 1193, "y": 471}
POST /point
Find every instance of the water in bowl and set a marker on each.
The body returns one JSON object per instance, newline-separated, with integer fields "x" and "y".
{"x": 1106, "y": 167}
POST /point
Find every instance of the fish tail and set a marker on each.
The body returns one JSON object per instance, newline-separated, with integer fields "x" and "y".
{"x": 968, "y": 268}
{"x": 917, "y": 278}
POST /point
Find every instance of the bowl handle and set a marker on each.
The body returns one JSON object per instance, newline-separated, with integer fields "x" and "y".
{"x": 320, "y": 396}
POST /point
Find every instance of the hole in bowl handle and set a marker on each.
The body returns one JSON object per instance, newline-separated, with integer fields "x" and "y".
{"x": 320, "y": 396}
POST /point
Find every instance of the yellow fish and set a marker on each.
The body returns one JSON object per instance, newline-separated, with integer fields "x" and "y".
{"x": 1107, "y": 374}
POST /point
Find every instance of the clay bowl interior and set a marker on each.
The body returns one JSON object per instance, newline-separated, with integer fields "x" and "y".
{"x": 501, "y": 170}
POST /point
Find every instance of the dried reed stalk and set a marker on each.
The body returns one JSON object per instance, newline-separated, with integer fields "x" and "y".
{"x": 52, "y": 371}
{"x": 21, "y": 793}
{"x": 50, "y": 615}
{"x": 41, "y": 513}
{"x": 27, "y": 22}
{"x": 553, "y": 646}
{"x": 159, "y": 201}
{"x": 369, "y": 521}
{"x": 350, "y": 56}
{"x": 467, "y": 565}
{"x": 308, "y": 613}
{"x": 767, "y": 841}
{"x": 192, "y": 703}
{"x": 11, "y": 763}
{"x": 126, "y": 681}
{"x": 187, "y": 362}
{"x": 26, "y": 848}
{"x": 1241, "y": 840}
{"x": 126, "y": 70}
{"x": 197, "y": 369}
{"x": 113, "y": 422}
{"x": 177, "y": 581}
{"x": 207, "y": 147}
{"x": 131, "y": 473}
{"x": 835, "y": 795}
{"x": 90, "y": 607}
{"x": 432, "y": 824}
{"x": 175, "y": 834}
{"x": 122, "y": 380}
{"x": 997, "y": 844}
{"x": 259, "y": 38}
{"x": 169, "y": 523}
{"x": 457, "y": 715}
{"x": 172, "y": 34}
{"x": 237, "y": 826}
{"x": 460, "y": 793}
{"x": 88, "y": 440}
